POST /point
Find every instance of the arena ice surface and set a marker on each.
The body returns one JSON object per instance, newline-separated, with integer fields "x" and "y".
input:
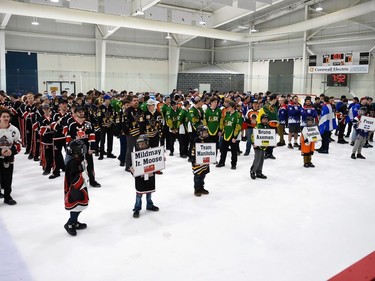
{"x": 299, "y": 224}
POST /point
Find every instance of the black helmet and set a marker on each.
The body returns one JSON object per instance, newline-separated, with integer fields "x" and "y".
{"x": 142, "y": 139}
{"x": 309, "y": 118}
{"x": 76, "y": 147}
{"x": 264, "y": 116}
{"x": 362, "y": 110}
{"x": 201, "y": 129}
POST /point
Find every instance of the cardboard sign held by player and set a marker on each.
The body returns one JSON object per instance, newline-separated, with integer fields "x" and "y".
{"x": 264, "y": 137}
{"x": 312, "y": 133}
{"x": 148, "y": 161}
{"x": 205, "y": 153}
{"x": 367, "y": 123}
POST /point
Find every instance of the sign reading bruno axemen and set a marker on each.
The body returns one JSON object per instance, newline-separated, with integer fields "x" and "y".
{"x": 312, "y": 133}
{"x": 264, "y": 137}
{"x": 367, "y": 123}
{"x": 205, "y": 153}
{"x": 148, "y": 161}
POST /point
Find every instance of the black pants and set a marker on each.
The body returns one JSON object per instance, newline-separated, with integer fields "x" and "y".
{"x": 183, "y": 140}
{"x": 103, "y": 132}
{"x": 6, "y": 178}
{"x": 192, "y": 137}
{"x": 29, "y": 129}
{"x": 224, "y": 150}
{"x": 341, "y": 129}
{"x": 48, "y": 157}
{"x": 58, "y": 159}
{"x": 215, "y": 139}
{"x": 199, "y": 181}
{"x": 97, "y": 139}
{"x": 325, "y": 140}
{"x": 166, "y": 137}
{"x": 90, "y": 167}
{"x": 172, "y": 139}
{"x": 130, "y": 145}
{"x": 350, "y": 125}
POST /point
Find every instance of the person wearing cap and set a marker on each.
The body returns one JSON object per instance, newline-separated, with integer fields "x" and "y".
{"x": 79, "y": 128}
{"x": 184, "y": 129}
{"x": 251, "y": 120}
{"x": 121, "y": 130}
{"x": 196, "y": 116}
{"x": 271, "y": 110}
{"x": 135, "y": 126}
{"x": 106, "y": 116}
{"x": 256, "y": 169}
{"x": 59, "y": 127}
{"x": 230, "y": 127}
{"x": 212, "y": 118}
{"x": 171, "y": 120}
{"x": 153, "y": 125}
{"x": 46, "y": 138}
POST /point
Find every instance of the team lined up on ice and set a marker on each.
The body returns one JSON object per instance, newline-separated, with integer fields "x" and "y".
{"x": 48, "y": 123}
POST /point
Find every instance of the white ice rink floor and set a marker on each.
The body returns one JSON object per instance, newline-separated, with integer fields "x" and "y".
{"x": 300, "y": 224}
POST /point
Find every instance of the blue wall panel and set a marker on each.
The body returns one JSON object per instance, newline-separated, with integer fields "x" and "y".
{"x": 21, "y": 72}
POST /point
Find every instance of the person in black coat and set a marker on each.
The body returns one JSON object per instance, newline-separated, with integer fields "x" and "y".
{"x": 144, "y": 184}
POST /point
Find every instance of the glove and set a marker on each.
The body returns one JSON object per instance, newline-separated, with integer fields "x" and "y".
{"x": 244, "y": 138}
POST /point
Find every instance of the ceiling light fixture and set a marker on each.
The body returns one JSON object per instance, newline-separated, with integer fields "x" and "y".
{"x": 35, "y": 21}
{"x": 243, "y": 27}
{"x": 55, "y": 1}
{"x": 319, "y": 8}
{"x": 168, "y": 36}
{"x": 253, "y": 29}
{"x": 140, "y": 12}
{"x": 202, "y": 21}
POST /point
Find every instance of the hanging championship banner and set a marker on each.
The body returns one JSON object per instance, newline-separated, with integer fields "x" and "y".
{"x": 312, "y": 133}
{"x": 367, "y": 123}
{"x": 264, "y": 137}
{"x": 205, "y": 153}
{"x": 148, "y": 161}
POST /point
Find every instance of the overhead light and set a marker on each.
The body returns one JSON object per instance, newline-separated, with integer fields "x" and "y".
{"x": 35, "y": 21}
{"x": 140, "y": 12}
{"x": 319, "y": 8}
{"x": 55, "y": 1}
{"x": 243, "y": 27}
{"x": 252, "y": 29}
{"x": 202, "y": 21}
{"x": 168, "y": 36}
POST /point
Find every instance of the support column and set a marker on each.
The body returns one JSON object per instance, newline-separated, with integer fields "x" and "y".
{"x": 100, "y": 61}
{"x": 3, "y": 85}
{"x": 212, "y": 51}
{"x": 250, "y": 68}
{"x": 173, "y": 62}
{"x": 304, "y": 55}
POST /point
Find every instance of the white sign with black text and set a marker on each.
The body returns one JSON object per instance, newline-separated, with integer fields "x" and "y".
{"x": 148, "y": 161}
{"x": 205, "y": 153}
{"x": 367, "y": 123}
{"x": 264, "y": 137}
{"x": 312, "y": 133}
